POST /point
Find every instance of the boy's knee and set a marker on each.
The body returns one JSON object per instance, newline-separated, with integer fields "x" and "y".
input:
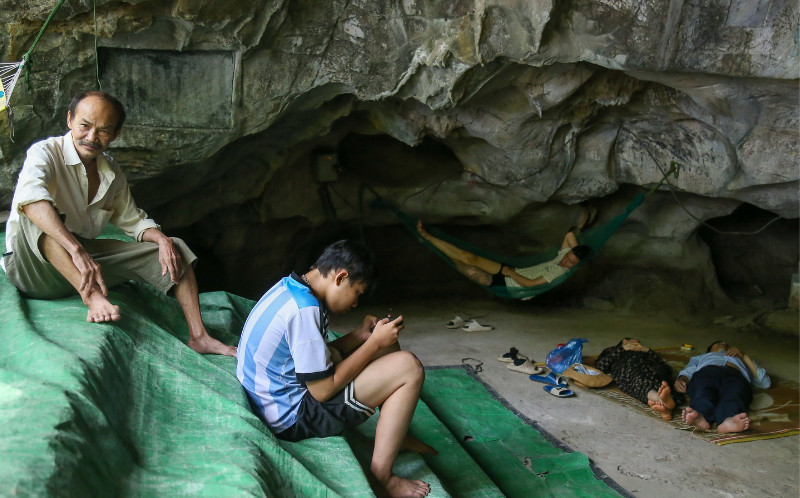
{"x": 411, "y": 364}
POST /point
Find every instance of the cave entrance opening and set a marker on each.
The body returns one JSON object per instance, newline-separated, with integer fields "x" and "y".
{"x": 383, "y": 161}
{"x": 758, "y": 267}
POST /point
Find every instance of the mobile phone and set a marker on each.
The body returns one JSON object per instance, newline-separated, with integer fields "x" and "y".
{"x": 388, "y": 318}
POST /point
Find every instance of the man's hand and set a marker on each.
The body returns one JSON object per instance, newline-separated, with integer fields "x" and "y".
{"x": 168, "y": 256}
{"x": 386, "y": 332}
{"x": 170, "y": 259}
{"x": 44, "y": 215}
{"x": 680, "y": 384}
{"x": 90, "y": 273}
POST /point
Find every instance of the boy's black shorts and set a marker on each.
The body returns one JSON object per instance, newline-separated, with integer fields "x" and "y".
{"x": 329, "y": 418}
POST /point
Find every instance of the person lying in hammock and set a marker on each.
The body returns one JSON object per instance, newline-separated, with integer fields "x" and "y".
{"x": 486, "y": 272}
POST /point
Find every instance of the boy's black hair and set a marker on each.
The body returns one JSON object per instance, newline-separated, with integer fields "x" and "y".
{"x": 351, "y": 256}
{"x": 708, "y": 350}
{"x": 115, "y": 103}
{"x": 581, "y": 251}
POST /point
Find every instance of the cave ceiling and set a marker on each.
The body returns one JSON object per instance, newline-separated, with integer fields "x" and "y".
{"x": 475, "y": 112}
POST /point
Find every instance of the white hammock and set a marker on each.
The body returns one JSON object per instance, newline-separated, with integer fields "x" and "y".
{"x": 9, "y": 74}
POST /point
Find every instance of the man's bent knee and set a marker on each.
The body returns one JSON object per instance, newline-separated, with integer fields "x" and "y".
{"x": 29, "y": 270}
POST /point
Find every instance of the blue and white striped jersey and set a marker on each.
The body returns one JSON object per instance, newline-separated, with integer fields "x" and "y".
{"x": 283, "y": 346}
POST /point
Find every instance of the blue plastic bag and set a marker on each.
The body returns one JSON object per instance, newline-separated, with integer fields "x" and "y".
{"x": 562, "y": 357}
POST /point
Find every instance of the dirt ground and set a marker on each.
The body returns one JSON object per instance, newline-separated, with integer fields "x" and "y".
{"x": 644, "y": 455}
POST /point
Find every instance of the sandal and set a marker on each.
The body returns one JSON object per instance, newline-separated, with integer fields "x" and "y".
{"x": 525, "y": 366}
{"x": 512, "y": 355}
{"x": 551, "y": 378}
{"x": 559, "y": 391}
{"x": 473, "y": 326}
{"x": 455, "y": 323}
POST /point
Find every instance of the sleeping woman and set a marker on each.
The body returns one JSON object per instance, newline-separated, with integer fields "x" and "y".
{"x": 641, "y": 374}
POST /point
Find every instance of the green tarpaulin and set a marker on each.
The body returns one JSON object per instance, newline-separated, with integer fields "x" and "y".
{"x": 127, "y": 408}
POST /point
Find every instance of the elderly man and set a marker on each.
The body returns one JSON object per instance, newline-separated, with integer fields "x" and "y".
{"x": 719, "y": 387}
{"x": 68, "y": 190}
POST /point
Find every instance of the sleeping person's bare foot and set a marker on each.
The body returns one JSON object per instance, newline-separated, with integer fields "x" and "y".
{"x": 692, "y": 417}
{"x": 737, "y": 423}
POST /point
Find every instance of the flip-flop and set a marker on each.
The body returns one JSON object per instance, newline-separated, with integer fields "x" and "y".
{"x": 526, "y": 367}
{"x": 512, "y": 354}
{"x": 455, "y": 323}
{"x": 558, "y": 391}
{"x": 551, "y": 378}
{"x": 473, "y": 326}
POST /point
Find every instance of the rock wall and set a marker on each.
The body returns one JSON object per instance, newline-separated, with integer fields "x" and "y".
{"x": 467, "y": 113}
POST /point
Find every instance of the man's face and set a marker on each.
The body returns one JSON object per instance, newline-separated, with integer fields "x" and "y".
{"x": 344, "y": 295}
{"x": 569, "y": 260}
{"x": 93, "y": 127}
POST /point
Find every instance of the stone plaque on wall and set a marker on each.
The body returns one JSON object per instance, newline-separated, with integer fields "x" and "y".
{"x": 171, "y": 89}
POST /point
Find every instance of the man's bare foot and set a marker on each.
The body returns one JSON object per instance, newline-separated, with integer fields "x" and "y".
{"x": 692, "y": 417}
{"x": 737, "y": 423}
{"x": 586, "y": 218}
{"x": 411, "y": 443}
{"x": 422, "y": 231}
{"x": 100, "y": 308}
{"x": 399, "y": 487}
{"x": 206, "y": 344}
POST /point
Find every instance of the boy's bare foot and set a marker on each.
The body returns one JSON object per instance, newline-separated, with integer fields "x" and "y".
{"x": 206, "y": 344}
{"x": 100, "y": 308}
{"x": 410, "y": 443}
{"x": 737, "y": 423}
{"x": 399, "y": 487}
{"x": 692, "y": 417}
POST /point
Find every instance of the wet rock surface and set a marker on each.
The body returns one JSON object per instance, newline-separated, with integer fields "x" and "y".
{"x": 483, "y": 117}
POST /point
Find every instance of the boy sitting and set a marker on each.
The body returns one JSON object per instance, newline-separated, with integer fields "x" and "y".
{"x": 297, "y": 382}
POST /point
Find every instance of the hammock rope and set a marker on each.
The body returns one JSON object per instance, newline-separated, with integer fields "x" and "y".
{"x": 10, "y": 71}
{"x": 26, "y": 58}
{"x": 9, "y": 74}
{"x": 594, "y": 237}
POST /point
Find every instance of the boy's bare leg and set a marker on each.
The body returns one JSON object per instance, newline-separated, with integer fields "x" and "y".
{"x": 393, "y": 382}
{"x": 411, "y": 443}
{"x": 199, "y": 340}
{"x": 100, "y": 308}
{"x": 458, "y": 254}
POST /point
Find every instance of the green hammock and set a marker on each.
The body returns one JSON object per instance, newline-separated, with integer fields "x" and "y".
{"x": 594, "y": 237}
